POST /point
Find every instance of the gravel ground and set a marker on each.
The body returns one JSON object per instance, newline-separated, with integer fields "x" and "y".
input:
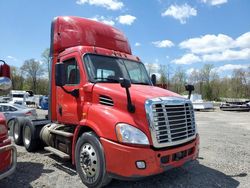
{"x": 224, "y": 160}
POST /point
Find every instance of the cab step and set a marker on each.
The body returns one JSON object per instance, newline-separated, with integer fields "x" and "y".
{"x": 57, "y": 152}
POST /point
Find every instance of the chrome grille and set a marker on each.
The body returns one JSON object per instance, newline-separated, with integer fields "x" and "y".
{"x": 105, "y": 100}
{"x": 171, "y": 120}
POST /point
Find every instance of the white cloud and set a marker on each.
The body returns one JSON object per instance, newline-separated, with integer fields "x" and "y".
{"x": 108, "y": 4}
{"x": 243, "y": 41}
{"x": 180, "y": 12}
{"x": 104, "y": 20}
{"x": 163, "y": 44}
{"x": 230, "y": 67}
{"x": 137, "y": 44}
{"x": 187, "y": 59}
{"x": 227, "y": 55}
{"x": 126, "y": 19}
{"x": 208, "y": 44}
{"x": 215, "y": 48}
{"x": 214, "y": 2}
{"x": 12, "y": 58}
{"x": 215, "y": 43}
{"x": 191, "y": 70}
{"x": 153, "y": 68}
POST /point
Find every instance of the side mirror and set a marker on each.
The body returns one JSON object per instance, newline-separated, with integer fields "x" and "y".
{"x": 189, "y": 88}
{"x": 5, "y": 83}
{"x": 125, "y": 83}
{"x": 153, "y": 79}
{"x": 60, "y": 74}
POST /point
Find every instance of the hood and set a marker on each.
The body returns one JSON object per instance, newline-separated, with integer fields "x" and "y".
{"x": 147, "y": 92}
{"x": 139, "y": 93}
{"x": 116, "y": 97}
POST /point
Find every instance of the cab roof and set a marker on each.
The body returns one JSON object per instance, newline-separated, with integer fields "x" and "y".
{"x": 70, "y": 31}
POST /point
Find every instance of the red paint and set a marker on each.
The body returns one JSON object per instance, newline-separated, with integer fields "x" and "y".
{"x": 74, "y": 37}
{"x": 5, "y": 70}
{"x": 5, "y": 154}
{"x": 7, "y": 161}
{"x": 121, "y": 159}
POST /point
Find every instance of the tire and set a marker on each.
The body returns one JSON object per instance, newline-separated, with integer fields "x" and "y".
{"x": 18, "y": 130}
{"x": 10, "y": 126}
{"x": 31, "y": 141}
{"x": 90, "y": 161}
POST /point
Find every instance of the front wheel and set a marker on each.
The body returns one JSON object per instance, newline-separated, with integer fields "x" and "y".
{"x": 90, "y": 161}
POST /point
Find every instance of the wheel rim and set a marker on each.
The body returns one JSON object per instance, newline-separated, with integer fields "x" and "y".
{"x": 11, "y": 126}
{"x": 27, "y": 135}
{"x": 16, "y": 131}
{"x": 89, "y": 162}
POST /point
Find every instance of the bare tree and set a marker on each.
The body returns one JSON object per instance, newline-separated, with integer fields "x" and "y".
{"x": 17, "y": 78}
{"x": 179, "y": 80}
{"x": 33, "y": 69}
{"x": 45, "y": 58}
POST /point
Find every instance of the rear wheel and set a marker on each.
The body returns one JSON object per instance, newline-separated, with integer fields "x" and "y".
{"x": 17, "y": 130}
{"x": 90, "y": 161}
{"x": 30, "y": 141}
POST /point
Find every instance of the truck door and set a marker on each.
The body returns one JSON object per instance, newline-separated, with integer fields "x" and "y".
{"x": 67, "y": 104}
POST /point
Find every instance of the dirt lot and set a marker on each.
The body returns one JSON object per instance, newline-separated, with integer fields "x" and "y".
{"x": 224, "y": 160}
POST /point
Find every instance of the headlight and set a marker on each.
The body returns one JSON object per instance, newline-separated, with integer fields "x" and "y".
{"x": 128, "y": 134}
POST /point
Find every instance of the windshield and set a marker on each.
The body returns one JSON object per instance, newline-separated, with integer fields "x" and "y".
{"x": 110, "y": 69}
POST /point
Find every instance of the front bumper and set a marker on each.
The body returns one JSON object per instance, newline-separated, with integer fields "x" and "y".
{"x": 8, "y": 158}
{"x": 121, "y": 159}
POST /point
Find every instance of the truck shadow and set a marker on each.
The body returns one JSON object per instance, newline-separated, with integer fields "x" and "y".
{"x": 190, "y": 175}
{"x": 26, "y": 172}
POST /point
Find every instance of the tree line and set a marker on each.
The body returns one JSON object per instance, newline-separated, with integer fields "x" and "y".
{"x": 207, "y": 82}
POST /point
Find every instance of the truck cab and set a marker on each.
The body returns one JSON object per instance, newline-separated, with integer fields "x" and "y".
{"x": 105, "y": 114}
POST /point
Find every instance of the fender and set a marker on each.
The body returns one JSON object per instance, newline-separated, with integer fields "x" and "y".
{"x": 97, "y": 115}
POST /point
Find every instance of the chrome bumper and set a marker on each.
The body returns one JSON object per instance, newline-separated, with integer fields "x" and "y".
{"x": 13, "y": 161}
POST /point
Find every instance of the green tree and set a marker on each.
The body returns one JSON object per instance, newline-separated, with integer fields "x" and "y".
{"x": 206, "y": 74}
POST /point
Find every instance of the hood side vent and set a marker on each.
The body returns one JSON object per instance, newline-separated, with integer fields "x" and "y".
{"x": 106, "y": 100}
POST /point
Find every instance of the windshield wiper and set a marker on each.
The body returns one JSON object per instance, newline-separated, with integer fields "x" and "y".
{"x": 141, "y": 83}
{"x": 112, "y": 80}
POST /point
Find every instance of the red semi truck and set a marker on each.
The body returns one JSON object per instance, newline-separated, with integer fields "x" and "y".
{"x": 104, "y": 112}
{"x": 8, "y": 153}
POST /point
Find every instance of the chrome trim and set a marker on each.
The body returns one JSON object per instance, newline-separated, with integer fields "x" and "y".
{"x": 187, "y": 122}
{"x": 14, "y": 160}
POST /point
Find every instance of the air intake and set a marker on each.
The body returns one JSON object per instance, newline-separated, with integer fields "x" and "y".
{"x": 104, "y": 100}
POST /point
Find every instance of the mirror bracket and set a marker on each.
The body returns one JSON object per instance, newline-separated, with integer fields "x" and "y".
{"x": 125, "y": 83}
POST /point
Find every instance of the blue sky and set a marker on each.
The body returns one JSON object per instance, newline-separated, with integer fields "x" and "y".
{"x": 177, "y": 32}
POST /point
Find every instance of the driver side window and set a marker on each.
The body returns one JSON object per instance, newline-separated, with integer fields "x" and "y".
{"x": 72, "y": 72}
